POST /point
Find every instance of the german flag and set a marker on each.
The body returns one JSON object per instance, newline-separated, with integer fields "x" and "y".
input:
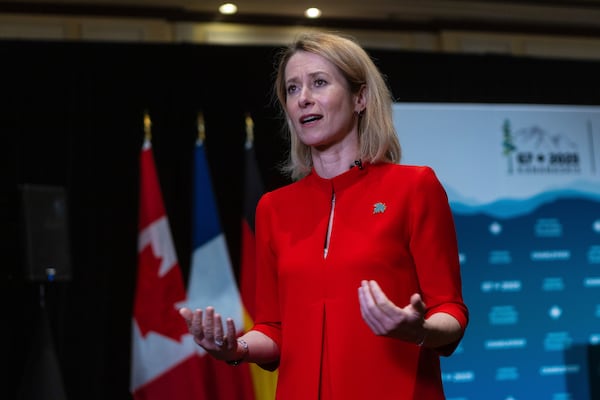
{"x": 264, "y": 381}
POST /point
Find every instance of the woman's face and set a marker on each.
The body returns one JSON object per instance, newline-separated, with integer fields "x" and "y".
{"x": 319, "y": 103}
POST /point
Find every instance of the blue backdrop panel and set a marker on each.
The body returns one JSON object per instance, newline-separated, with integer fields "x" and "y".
{"x": 524, "y": 185}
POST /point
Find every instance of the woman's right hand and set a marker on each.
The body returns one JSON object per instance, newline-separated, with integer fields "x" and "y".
{"x": 207, "y": 329}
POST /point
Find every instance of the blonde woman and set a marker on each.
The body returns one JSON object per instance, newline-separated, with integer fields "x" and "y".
{"x": 359, "y": 288}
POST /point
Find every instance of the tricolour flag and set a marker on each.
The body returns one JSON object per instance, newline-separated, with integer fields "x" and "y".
{"x": 164, "y": 360}
{"x": 264, "y": 382}
{"x": 212, "y": 283}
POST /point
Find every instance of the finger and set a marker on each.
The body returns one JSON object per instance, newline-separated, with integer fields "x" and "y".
{"x": 378, "y": 295}
{"x": 367, "y": 294}
{"x": 209, "y": 324}
{"x": 367, "y": 307}
{"x": 196, "y": 328}
{"x": 363, "y": 302}
{"x": 384, "y": 307}
{"x": 417, "y": 302}
{"x": 218, "y": 330}
{"x": 187, "y": 315}
{"x": 230, "y": 339}
{"x": 364, "y": 307}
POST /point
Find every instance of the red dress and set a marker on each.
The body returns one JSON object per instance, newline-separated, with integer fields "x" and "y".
{"x": 391, "y": 223}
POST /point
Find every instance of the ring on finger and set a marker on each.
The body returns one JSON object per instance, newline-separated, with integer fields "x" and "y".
{"x": 219, "y": 341}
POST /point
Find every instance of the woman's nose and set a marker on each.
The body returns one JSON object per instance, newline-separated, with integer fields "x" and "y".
{"x": 305, "y": 97}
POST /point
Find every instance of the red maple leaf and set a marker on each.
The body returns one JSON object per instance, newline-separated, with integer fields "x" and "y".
{"x": 156, "y": 297}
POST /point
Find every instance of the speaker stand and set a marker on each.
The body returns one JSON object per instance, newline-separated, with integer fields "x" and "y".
{"x": 42, "y": 378}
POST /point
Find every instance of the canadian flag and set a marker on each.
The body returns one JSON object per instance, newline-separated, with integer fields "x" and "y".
{"x": 165, "y": 361}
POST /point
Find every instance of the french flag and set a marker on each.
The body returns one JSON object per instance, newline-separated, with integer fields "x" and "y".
{"x": 212, "y": 283}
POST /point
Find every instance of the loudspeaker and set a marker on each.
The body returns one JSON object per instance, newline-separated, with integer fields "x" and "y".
{"x": 45, "y": 233}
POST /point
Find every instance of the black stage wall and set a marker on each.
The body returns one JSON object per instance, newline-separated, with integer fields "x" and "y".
{"x": 71, "y": 115}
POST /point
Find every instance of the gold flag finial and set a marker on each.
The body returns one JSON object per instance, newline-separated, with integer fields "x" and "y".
{"x": 201, "y": 127}
{"x": 249, "y": 131}
{"x": 147, "y": 126}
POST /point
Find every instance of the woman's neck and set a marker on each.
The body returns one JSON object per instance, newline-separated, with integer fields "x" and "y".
{"x": 331, "y": 164}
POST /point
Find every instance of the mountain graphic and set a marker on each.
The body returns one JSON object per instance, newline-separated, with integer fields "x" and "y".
{"x": 538, "y": 138}
{"x": 510, "y": 207}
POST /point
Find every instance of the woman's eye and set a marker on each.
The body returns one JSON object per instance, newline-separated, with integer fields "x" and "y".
{"x": 291, "y": 89}
{"x": 320, "y": 82}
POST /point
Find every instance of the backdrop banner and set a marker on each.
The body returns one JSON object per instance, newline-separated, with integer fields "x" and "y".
{"x": 523, "y": 182}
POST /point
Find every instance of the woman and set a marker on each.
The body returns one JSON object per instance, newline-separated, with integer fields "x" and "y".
{"x": 358, "y": 275}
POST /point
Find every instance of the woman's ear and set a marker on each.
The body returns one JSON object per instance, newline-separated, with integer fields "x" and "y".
{"x": 360, "y": 100}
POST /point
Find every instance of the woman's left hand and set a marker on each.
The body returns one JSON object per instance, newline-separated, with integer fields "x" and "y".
{"x": 386, "y": 319}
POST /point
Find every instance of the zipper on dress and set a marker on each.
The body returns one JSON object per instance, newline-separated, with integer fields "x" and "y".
{"x": 329, "y": 225}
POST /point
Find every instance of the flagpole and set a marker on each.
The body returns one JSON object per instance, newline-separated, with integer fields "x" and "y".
{"x": 249, "y": 131}
{"x": 147, "y": 127}
{"x": 201, "y": 128}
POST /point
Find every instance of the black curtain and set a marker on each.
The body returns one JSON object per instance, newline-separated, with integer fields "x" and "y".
{"x": 71, "y": 115}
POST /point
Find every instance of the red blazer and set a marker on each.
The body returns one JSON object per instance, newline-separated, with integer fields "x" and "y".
{"x": 393, "y": 224}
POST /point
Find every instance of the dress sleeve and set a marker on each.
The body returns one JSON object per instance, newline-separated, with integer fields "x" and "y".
{"x": 434, "y": 248}
{"x": 268, "y": 319}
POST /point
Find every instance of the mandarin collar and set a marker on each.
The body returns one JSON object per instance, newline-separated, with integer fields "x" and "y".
{"x": 339, "y": 182}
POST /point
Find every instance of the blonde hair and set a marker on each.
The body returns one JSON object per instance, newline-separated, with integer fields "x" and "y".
{"x": 376, "y": 133}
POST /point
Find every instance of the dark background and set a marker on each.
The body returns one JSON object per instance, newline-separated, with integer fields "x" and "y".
{"x": 71, "y": 115}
